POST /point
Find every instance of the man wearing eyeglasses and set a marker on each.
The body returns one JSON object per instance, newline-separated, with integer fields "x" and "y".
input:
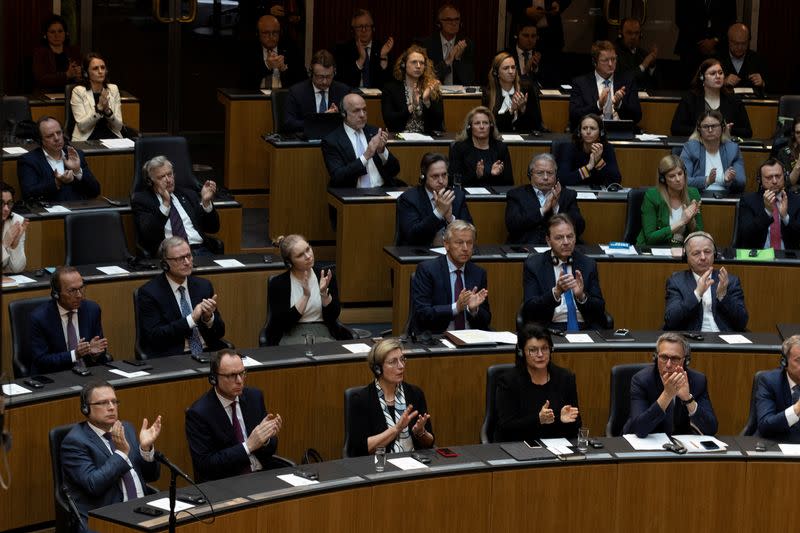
{"x": 362, "y": 61}
{"x": 769, "y": 217}
{"x": 102, "y": 460}
{"x": 453, "y": 56}
{"x": 177, "y": 311}
{"x": 276, "y": 63}
{"x": 228, "y": 428}
{"x": 669, "y": 397}
{"x": 319, "y": 94}
{"x": 66, "y": 331}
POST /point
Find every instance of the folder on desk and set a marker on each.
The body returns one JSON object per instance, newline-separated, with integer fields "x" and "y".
{"x": 522, "y": 452}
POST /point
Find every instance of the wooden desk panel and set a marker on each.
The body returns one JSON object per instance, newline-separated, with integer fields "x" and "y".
{"x": 771, "y": 485}
{"x": 130, "y": 112}
{"x": 555, "y": 114}
{"x": 246, "y": 163}
{"x": 456, "y": 108}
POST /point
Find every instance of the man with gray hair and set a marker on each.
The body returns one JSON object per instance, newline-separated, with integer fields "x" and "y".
{"x": 778, "y": 396}
{"x": 164, "y": 210}
{"x": 529, "y": 208}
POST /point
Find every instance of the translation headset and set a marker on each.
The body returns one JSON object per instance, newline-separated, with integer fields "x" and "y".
{"x": 55, "y": 285}
{"x": 784, "y": 357}
{"x": 85, "y": 407}
{"x": 377, "y": 370}
{"x": 694, "y": 235}
{"x": 662, "y": 178}
{"x": 687, "y": 359}
{"x": 555, "y": 260}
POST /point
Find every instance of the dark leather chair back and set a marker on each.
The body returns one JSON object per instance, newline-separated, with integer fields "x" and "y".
{"x": 69, "y": 118}
{"x": 751, "y": 426}
{"x": 490, "y": 416}
{"x": 677, "y": 150}
{"x": 19, "y": 317}
{"x": 349, "y": 395}
{"x": 735, "y": 233}
{"x": 66, "y": 521}
{"x": 279, "y": 97}
{"x": 95, "y": 237}
{"x": 620, "y": 398}
{"x": 138, "y": 350}
{"x": 788, "y": 108}
{"x": 633, "y": 216}
{"x": 263, "y": 334}
{"x": 176, "y": 149}
{"x": 411, "y": 323}
{"x": 15, "y": 109}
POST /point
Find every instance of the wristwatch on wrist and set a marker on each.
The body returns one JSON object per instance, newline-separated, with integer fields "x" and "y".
{"x": 690, "y": 400}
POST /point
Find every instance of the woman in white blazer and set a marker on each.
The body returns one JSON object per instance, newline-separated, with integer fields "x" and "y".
{"x": 95, "y": 104}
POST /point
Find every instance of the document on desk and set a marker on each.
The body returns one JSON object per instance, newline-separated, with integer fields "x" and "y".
{"x": 578, "y": 337}
{"x": 441, "y": 250}
{"x": 654, "y": 441}
{"x": 249, "y": 361}
{"x": 266, "y": 92}
{"x": 370, "y": 91}
{"x": 467, "y": 337}
{"x": 406, "y": 463}
{"x": 14, "y": 150}
{"x": 394, "y": 194}
{"x": 789, "y": 449}
{"x": 511, "y": 137}
{"x": 137, "y": 374}
{"x": 692, "y": 443}
{"x": 358, "y": 347}
{"x": 163, "y": 504}
{"x": 112, "y": 270}
{"x": 117, "y": 144}
{"x": 661, "y": 252}
{"x": 649, "y": 137}
{"x": 19, "y": 278}
{"x": 229, "y": 263}
{"x": 476, "y": 190}
{"x": 558, "y": 446}
{"x": 297, "y": 481}
{"x": 411, "y": 136}
{"x": 57, "y": 209}
{"x": 553, "y": 92}
{"x": 12, "y": 389}
{"x": 587, "y": 196}
{"x": 630, "y": 250}
{"x": 743, "y": 90}
{"x": 735, "y": 338}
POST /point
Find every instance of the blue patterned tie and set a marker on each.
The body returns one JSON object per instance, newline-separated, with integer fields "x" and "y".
{"x": 608, "y": 108}
{"x": 195, "y": 343}
{"x": 795, "y": 393}
{"x": 323, "y": 102}
{"x": 572, "y": 311}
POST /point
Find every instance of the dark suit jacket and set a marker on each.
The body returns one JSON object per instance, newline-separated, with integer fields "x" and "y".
{"x": 345, "y": 167}
{"x": 684, "y": 312}
{"x": 628, "y": 62}
{"x": 551, "y": 38}
{"x": 752, "y": 64}
{"x": 584, "y": 96}
{"x": 92, "y": 473}
{"x": 692, "y": 105}
{"x": 517, "y": 409}
{"x": 347, "y": 71}
{"x": 571, "y": 158}
{"x": 417, "y": 223}
{"x": 524, "y": 220}
{"x": 530, "y": 120}
{"x": 463, "y": 69}
{"x": 395, "y": 110}
{"x": 253, "y": 68}
{"x": 367, "y": 417}
{"x": 48, "y": 348}
{"x": 693, "y": 18}
{"x": 301, "y": 101}
{"x": 464, "y": 158}
{"x": 215, "y": 452}
{"x": 545, "y": 76}
{"x": 163, "y": 327}
{"x": 150, "y": 220}
{"x": 283, "y": 318}
{"x": 754, "y": 222}
{"x": 772, "y": 398}
{"x": 433, "y": 298}
{"x": 46, "y": 76}
{"x": 647, "y": 417}
{"x": 36, "y": 179}
{"x": 538, "y": 280}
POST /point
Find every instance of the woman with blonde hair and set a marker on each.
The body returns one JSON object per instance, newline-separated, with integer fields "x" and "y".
{"x": 479, "y": 156}
{"x": 413, "y": 100}
{"x": 515, "y": 110}
{"x": 713, "y": 161}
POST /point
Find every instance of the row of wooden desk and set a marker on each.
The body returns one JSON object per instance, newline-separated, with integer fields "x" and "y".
{"x": 42, "y": 105}
{"x": 308, "y": 393}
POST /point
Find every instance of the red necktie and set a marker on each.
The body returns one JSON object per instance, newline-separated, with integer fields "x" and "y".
{"x": 458, "y": 321}
{"x": 775, "y": 229}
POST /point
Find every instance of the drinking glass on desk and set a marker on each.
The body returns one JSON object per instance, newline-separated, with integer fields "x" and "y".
{"x": 380, "y": 459}
{"x": 583, "y": 440}
{"x": 309, "y": 343}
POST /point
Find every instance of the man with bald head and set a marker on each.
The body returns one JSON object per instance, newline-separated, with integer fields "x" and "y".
{"x": 743, "y": 67}
{"x": 276, "y": 63}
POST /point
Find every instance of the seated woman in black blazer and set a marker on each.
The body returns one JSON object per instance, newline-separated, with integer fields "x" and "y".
{"x": 304, "y": 300}
{"x": 479, "y": 156}
{"x": 516, "y": 111}
{"x": 413, "y": 100}
{"x": 590, "y": 159}
{"x": 536, "y": 399}
{"x": 389, "y": 412}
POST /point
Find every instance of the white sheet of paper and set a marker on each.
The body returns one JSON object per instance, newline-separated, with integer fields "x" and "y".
{"x": 266, "y": 92}
{"x": 15, "y": 150}
{"x": 504, "y": 337}
{"x": 406, "y": 463}
{"x": 12, "y": 389}
{"x": 110, "y": 270}
{"x": 552, "y": 92}
{"x": 440, "y": 251}
{"x": 448, "y": 344}
{"x": 654, "y": 441}
{"x": 163, "y": 504}
{"x": 662, "y": 252}
{"x": 229, "y": 263}
{"x": 476, "y": 190}
{"x": 630, "y": 250}
{"x": 370, "y": 91}
{"x": 394, "y": 194}
{"x": 692, "y": 443}
{"x": 789, "y": 449}
{"x": 19, "y": 278}
{"x": 452, "y": 89}
{"x": 649, "y": 137}
{"x": 137, "y": 374}
{"x": 512, "y": 137}
{"x": 57, "y": 209}
{"x": 743, "y": 90}
{"x": 735, "y": 339}
{"x": 249, "y": 361}
{"x": 587, "y": 196}
{"x": 556, "y": 443}
{"x": 474, "y": 336}
{"x": 411, "y": 136}
{"x": 541, "y": 249}
{"x": 297, "y": 481}
{"x": 54, "y": 96}
{"x": 358, "y": 347}
{"x": 117, "y": 143}
{"x": 643, "y": 94}
{"x": 578, "y": 337}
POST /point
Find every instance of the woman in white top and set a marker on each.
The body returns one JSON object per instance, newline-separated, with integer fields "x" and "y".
{"x": 96, "y": 105}
{"x": 14, "y": 227}
{"x": 713, "y": 162}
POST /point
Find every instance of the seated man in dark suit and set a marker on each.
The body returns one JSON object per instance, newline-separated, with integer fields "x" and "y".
{"x": 443, "y": 299}
{"x": 778, "y": 396}
{"x": 701, "y": 298}
{"x": 562, "y": 289}
{"x": 361, "y": 63}
{"x": 531, "y": 65}
{"x": 612, "y": 96}
{"x": 102, "y": 461}
{"x": 769, "y": 218}
{"x": 164, "y": 211}
{"x": 425, "y": 211}
{"x": 276, "y": 63}
{"x": 744, "y": 67}
{"x": 320, "y": 94}
{"x": 228, "y": 428}
{"x": 355, "y": 154}
{"x": 529, "y": 208}
{"x": 67, "y": 330}
{"x": 53, "y": 173}
{"x": 633, "y": 59}
{"x": 170, "y": 320}
{"x": 453, "y": 56}
{"x": 669, "y": 397}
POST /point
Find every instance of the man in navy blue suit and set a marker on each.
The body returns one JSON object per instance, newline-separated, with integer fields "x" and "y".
{"x": 562, "y": 288}
{"x": 276, "y": 63}
{"x": 102, "y": 460}
{"x": 52, "y": 173}
{"x": 424, "y": 212}
{"x": 701, "y": 298}
{"x": 452, "y": 55}
{"x": 362, "y": 61}
{"x": 449, "y": 292}
{"x": 612, "y": 96}
{"x": 228, "y": 428}
{"x": 320, "y": 94}
{"x": 177, "y": 311}
{"x": 669, "y": 397}
{"x": 778, "y": 396}
{"x": 769, "y": 217}
{"x": 355, "y": 153}
{"x": 67, "y": 330}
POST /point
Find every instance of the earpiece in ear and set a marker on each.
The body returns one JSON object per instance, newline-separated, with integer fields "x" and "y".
{"x": 403, "y": 65}
{"x": 377, "y": 370}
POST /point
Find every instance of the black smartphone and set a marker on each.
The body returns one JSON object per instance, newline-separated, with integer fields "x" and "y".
{"x": 134, "y": 362}
{"x": 32, "y": 383}
{"x": 149, "y": 511}
{"x": 197, "y": 499}
{"x": 307, "y": 474}
{"x": 421, "y": 457}
{"x": 81, "y": 371}
{"x": 43, "y": 379}
{"x": 709, "y": 445}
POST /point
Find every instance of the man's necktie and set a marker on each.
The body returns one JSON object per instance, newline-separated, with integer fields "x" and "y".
{"x": 608, "y": 108}
{"x": 323, "y": 102}
{"x": 238, "y": 434}
{"x": 526, "y": 56}
{"x": 276, "y": 74}
{"x": 572, "y": 311}
{"x": 72, "y": 335}
{"x": 448, "y": 78}
{"x": 795, "y": 393}
{"x": 775, "y": 229}
{"x": 365, "y": 70}
{"x": 127, "y": 477}
{"x": 195, "y": 343}
{"x": 178, "y": 230}
{"x": 458, "y": 321}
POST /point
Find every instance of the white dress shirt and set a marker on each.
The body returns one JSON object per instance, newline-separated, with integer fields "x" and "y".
{"x": 709, "y": 324}
{"x": 313, "y": 312}
{"x": 14, "y": 258}
{"x": 373, "y": 177}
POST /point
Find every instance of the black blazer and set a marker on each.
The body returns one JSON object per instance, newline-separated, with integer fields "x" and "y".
{"x": 150, "y": 220}
{"x": 418, "y": 224}
{"x": 752, "y": 64}
{"x": 684, "y": 312}
{"x": 215, "y": 452}
{"x": 463, "y": 69}
{"x": 345, "y": 167}
{"x": 628, "y": 62}
{"x": 773, "y": 396}
{"x": 571, "y": 159}
{"x": 301, "y": 101}
{"x": 253, "y": 68}
{"x": 517, "y": 408}
{"x": 692, "y": 105}
{"x": 464, "y": 157}
{"x": 37, "y": 181}
{"x": 347, "y": 72}
{"x": 754, "y": 222}
{"x": 524, "y": 220}
{"x": 530, "y": 120}
{"x": 163, "y": 327}
{"x": 395, "y": 110}
{"x": 367, "y": 417}
{"x": 283, "y": 318}
{"x": 584, "y": 96}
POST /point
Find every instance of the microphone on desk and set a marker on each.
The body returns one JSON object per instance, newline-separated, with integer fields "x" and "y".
{"x": 161, "y": 458}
